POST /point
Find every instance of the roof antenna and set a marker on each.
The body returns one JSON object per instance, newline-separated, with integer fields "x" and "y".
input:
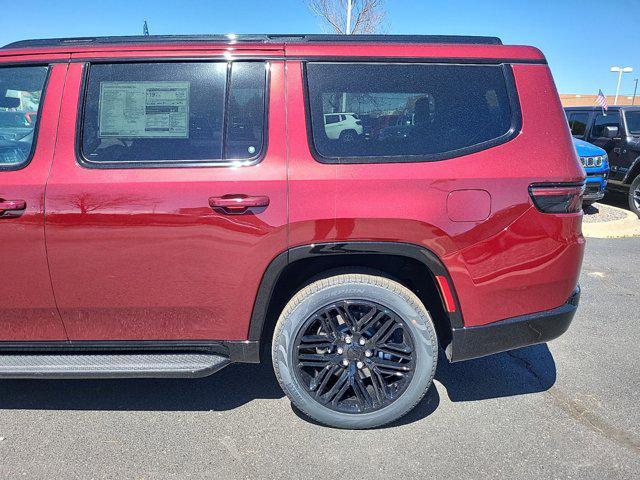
{"x": 145, "y": 29}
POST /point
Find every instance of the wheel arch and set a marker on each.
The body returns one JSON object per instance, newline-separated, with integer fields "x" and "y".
{"x": 633, "y": 172}
{"x": 412, "y": 265}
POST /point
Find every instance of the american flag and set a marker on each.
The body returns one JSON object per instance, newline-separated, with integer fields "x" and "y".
{"x": 602, "y": 100}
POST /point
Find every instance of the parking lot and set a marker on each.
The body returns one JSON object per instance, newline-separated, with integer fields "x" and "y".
{"x": 568, "y": 409}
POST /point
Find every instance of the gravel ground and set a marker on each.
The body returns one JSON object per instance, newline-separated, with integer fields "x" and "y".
{"x": 600, "y": 212}
{"x": 569, "y": 409}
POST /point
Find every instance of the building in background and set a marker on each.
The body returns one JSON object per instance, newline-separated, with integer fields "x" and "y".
{"x": 582, "y": 100}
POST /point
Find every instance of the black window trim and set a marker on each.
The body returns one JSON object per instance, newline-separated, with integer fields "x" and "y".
{"x": 625, "y": 127}
{"x": 510, "y": 134}
{"x": 36, "y": 129}
{"x": 89, "y": 164}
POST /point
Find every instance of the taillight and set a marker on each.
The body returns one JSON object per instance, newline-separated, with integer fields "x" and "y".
{"x": 557, "y": 198}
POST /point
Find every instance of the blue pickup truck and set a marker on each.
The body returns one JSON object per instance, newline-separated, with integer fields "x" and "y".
{"x": 596, "y": 164}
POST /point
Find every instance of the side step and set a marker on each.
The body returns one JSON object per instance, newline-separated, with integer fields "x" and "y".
{"x": 111, "y": 365}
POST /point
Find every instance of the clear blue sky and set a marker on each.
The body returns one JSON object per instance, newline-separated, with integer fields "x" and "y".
{"x": 581, "y": 39}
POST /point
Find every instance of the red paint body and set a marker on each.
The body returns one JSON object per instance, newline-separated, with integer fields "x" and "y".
{"x": 140, "y": 254}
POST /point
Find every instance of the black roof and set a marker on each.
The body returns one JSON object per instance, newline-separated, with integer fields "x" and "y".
{"x": 258, "y": 38}
{"x": 611, "y": 107}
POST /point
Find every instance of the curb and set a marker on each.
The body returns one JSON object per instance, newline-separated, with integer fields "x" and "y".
{"x": 624, "y": 228}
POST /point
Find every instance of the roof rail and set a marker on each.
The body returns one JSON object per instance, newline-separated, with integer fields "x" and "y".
{"x": 258, "y": 38}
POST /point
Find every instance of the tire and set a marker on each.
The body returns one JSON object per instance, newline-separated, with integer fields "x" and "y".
{"x": 368, "y": 304}
{"x": 634, "y": 196}
{"x": 348, "y": 136}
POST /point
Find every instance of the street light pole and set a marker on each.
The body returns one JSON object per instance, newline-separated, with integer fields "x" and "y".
{"x": 349, "y": 7}
{"x": 635, "y": 89}
{"x": 347, "y": 30}
{"x": 615, "y": 102}
{"x": 620, "y": 71}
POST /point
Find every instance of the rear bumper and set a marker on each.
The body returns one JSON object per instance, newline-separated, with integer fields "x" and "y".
{"x": 473, "y": 342}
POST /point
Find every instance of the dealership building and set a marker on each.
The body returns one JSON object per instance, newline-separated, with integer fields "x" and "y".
{"x": 581, "y": 100}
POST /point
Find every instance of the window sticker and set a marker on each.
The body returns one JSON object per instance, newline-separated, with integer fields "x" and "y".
{"x": 144, "y": 109}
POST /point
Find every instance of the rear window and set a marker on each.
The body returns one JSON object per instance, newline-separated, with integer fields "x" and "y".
{"x": 633, "y": 121}
{"x": 163, "y": 113}
{"x": 20, "y": 98}
{"x": 406, "y": 112}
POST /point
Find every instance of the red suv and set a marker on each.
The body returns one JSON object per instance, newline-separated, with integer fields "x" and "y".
{"x": 181, "y": 202}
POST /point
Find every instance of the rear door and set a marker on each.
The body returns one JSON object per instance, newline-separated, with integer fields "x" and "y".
{"x": 612, "y": 146}
{"x": 169, "y": 201}
{"x": 29, "y": 103}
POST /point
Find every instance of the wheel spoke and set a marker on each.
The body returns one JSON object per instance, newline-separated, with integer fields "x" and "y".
{"x": 315, "y": 341}
{"x": 314, "y": 359}
{"x": 369, "y": 319}
{"x": 321, "y": 379}
{"x": 394, "y": 352}
{"x": 382, "y": 330}
{"x": 329, "y": 326}
{"x": 390, "y": 332}
{"x": 344, "y": 312}
{"x": 397, "y": 347}
{"x": 338, "y": 389}
{"x": 361, "y": 391}
{"x": 400, "y": 350}
{"x": 378, "y": 384}
{"x": 390, "y": 367}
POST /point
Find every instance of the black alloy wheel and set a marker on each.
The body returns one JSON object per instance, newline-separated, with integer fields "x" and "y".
{"x": 354, "y": 356}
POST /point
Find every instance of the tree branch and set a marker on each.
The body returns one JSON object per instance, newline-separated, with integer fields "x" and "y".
{"x": 368, "y": 16}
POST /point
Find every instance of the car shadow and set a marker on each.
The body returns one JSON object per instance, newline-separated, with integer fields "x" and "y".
{"x": 590, "y": 209}
{"x": 520, "y": 372}
{"x": 227, "y": 389}
{"x": 616, "y": 199}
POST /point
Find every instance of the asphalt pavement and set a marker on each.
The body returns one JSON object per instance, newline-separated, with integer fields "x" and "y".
{"x": 569, "y": 409}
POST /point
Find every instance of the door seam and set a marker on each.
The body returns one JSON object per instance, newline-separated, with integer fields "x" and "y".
{"x": 46, "y": 185}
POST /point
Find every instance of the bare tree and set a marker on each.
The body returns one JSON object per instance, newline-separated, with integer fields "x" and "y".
{"x": 367, "y": 16}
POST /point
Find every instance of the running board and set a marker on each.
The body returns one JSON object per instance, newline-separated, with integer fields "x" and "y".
{"x": 115, "y": 365}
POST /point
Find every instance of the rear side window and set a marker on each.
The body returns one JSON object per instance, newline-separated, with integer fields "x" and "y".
{"x": 406, "y": 112}
{"x": 633, "y": 121}
{"x": 604, "y": 120}
{"x": 20, "y": 98}
{"x": 578, "y": 123}
{"x": 163, "y": 113}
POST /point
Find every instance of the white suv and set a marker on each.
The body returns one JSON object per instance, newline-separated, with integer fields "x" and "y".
{"x": 342, "y": 126}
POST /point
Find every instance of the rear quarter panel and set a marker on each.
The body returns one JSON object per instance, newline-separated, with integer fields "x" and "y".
{"x": 515, "y": 262}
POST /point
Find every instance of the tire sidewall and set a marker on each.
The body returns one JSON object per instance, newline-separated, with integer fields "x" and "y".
{"x": 409, "y": 309}
{"x": 632, "y": 206}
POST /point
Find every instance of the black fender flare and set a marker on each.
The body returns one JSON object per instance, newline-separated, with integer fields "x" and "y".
{"x": 633, "y": 172}
{"x": 283, "y": 260}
